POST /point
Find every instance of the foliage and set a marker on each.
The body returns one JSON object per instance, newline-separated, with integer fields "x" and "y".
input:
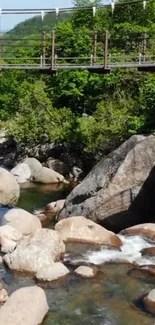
{"x": 94, "y": 112}
{"x": 36, "y": 116}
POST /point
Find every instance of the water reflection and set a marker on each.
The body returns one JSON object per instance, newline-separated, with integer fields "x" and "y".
{"x": 35, "y": 196}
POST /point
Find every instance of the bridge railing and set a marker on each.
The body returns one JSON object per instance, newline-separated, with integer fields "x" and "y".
{"x": 49, "y": 50}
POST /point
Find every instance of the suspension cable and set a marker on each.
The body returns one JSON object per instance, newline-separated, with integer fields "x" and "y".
{"x": 59, "y": 10}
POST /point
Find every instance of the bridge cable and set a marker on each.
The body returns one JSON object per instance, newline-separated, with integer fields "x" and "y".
{"x": 57, "y": 10}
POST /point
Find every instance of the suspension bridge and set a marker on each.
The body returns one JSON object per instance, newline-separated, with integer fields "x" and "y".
{"x": 104, "y": 53}
{"x": 101, "y": 55}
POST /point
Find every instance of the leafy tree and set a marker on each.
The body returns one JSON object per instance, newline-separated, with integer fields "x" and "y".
{"x": 94, "y": 112}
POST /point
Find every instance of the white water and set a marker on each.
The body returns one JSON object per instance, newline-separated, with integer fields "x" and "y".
{"x": 130, "y": 252}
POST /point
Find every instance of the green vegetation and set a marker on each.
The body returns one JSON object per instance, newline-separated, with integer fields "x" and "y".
{"x": 94, "y": 112}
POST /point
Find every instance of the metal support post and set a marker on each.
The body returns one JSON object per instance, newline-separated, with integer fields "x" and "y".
{"x": 43, "y": 48}
{"x": 144, "y": 47}
{"x": 106, "y": 49}
{"x": 95, "y": 47}
{"x": 52, "y": 49}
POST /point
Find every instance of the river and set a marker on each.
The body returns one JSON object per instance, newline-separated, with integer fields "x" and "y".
{"x": 113, "y": 297}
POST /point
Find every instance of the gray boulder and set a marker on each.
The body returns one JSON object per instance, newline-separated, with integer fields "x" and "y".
{"x": 117, "y": 182}
{"x": 9, "y": 188}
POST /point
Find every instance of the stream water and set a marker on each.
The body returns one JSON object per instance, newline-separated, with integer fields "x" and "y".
{"x": 113, "y": 297}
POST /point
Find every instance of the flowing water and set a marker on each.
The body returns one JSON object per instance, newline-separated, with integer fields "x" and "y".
{"x": 113, "y": 297}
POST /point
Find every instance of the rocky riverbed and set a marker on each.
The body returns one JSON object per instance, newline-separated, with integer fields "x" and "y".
{"x": 80, "y": 271}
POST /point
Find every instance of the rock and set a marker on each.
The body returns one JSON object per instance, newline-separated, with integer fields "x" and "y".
{"x": 9, "y": 188}
{"x": 58, "y": 166}
{"x": 77, "y": 172}
{"x": 2, "y": 135}
{"x": 43, "y": 219}
{"x": 86, "y": 271}
{"x": 71, "y": 158}
{"x": 54, "y": 272}
{"x": 7, "y": 150}
{"x": 9, "y": 160}
{"x": 150, "y": 269}
{"x": 149, "y": 301}
{"x": 48, "y": 176}
{"x": 44, "y": 138}
{"x": 9, "y": 238}
{"x": 23, "y": 221}
{"x": 3, "y": 295}
{"x": 147, "y": 230}
{"x": 82, "y": 230}
{"x": 150, "y": 251}
{"x": 119, "y": 181}
{"x": 34, "y": 165}
{"x": 26, "y": 306}
{"x": 52, "y": 209}
{"x": 22, "y": 173}
{"x": 37, "y": 252}
{"x": 43, "y": 152}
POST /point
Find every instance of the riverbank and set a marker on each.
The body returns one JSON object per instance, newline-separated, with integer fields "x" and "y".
{"x": 61, "y": 157}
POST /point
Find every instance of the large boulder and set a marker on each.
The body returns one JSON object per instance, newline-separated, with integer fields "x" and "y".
{"x": 26, "y": 306}
{"x": 82, "y": 230}
{"x": 36, "y": 253}
{"x": 48, "y": 176}
{"x": 22, "y": 173}
{"x": 9, "y": 188}
{"x": 23, "y": 221}
{"x": 146, "y": 230}
{"x": 34, "y": 165}
{"x": 117, "y": 182}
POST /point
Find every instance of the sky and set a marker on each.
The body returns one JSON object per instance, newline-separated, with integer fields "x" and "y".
{"x": 9, "y": 21}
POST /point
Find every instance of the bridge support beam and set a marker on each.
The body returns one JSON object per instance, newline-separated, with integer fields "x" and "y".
{"x": 97, "y": 70}
{"x": 106, "y": 49}
{"x": 147, "y": 68}
{"x": 95, "y": 47}
{"x": 43, "y": 48}
{"x": 53, "y": 49}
